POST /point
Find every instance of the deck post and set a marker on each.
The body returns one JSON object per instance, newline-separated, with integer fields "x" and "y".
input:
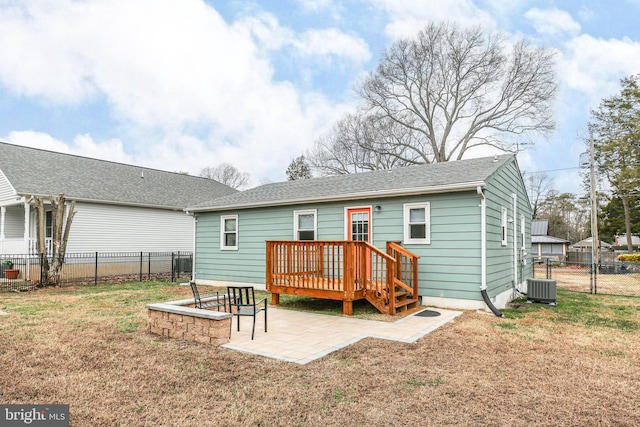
{"x": 349, "y": 276}
{"x": 275, "y": 299}
{"x": 347, "y": 308}
{"x": 269, "y": 265}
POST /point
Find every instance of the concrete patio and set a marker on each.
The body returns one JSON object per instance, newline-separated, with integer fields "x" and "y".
{"x": 302, "y": 337}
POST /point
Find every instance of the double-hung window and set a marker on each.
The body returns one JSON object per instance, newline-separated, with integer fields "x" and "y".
{"x": 305, "y": 225}
{"x": 503, "y": 226}
{"x": 229, "y": 232}
{"x": 523, "y": 234}
{"x": 417, "y": 223}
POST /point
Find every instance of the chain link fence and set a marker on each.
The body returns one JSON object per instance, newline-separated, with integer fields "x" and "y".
{"x": 25, "y": 272}
{"x": 611, "y": 277}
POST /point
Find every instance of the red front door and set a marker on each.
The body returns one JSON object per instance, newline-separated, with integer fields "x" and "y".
{"x": 359, "y": 224}
{"x": 359, "y": 229}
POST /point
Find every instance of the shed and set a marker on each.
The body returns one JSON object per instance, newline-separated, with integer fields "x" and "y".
{"x": 544, "y": 246}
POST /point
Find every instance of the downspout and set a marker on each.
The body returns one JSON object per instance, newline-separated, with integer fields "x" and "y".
{"x": 3, "y": 210}
{"x": 483, "y": 253}
{"x": 27, "y": 232}
{"x": 515, "y": 240}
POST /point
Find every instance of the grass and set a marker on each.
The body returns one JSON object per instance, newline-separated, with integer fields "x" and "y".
{"x": 574, "y": 364}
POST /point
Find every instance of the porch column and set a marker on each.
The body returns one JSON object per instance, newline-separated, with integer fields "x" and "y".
{"x": 3, "y": 211}
{"x": 27, "y": 226}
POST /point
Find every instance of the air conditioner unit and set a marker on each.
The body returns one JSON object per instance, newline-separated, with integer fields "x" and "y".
{"x": 541, "y": 290}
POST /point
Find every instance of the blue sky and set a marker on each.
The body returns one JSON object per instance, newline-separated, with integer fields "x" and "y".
{"x": 184, "y": 84}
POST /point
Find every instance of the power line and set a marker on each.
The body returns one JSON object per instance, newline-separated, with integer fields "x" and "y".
{"x": 555, "y": 170}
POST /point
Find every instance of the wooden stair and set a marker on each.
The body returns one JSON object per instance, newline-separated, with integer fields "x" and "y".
{"x": 380, "y": 300}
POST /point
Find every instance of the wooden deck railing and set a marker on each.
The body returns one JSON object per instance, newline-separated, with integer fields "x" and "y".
{"x": 340, "y": 270}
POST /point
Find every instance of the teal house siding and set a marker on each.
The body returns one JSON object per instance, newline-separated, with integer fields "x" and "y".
{"x": 450, "y": 265}
{"x": 500, "y": 190}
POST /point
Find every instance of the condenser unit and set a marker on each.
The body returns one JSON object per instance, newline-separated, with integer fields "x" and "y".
{"x": 541, "y": 290}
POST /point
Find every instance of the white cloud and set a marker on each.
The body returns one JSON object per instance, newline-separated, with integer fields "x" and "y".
{"x": 166, "y": 66}
{"x": 329, "y": 42}
{"x": 321, "y": 43}
{"x": 82, "y": 145}
{"x": 407, "y": 17}
{"x": 552, "y": 22}
{"x": 594, "y": 66}
{"x": 316, "y": 5}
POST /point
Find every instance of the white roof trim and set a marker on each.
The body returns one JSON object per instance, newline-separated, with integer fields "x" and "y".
{"x": 465, "y": 186}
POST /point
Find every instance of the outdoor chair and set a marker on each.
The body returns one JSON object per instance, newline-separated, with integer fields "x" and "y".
{"x": 220, "y": 301}
{"x": 242, "y": 302}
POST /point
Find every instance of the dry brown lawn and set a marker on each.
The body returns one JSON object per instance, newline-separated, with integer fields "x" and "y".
{"x": 575, "y": 365}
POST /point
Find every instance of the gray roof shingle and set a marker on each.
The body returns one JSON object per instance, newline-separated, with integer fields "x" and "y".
{"x": 422, "y": 179}
{"x": 40, "y": 172}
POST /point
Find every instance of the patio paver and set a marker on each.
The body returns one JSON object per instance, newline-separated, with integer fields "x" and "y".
{"x": 302, "y": 337}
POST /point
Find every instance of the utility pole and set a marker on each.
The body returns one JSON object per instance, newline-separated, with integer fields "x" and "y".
{"x": 595, "y": 240}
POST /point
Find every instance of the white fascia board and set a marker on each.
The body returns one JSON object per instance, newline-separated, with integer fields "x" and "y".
{"x": 109, "y": 202}
{"x": 448, "y": 188}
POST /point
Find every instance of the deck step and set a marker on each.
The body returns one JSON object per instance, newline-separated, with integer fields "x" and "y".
{"x": 406, "y": 302}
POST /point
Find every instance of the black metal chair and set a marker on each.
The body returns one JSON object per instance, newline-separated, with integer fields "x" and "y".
{"x": 208, "y": 304}
{"x": 242, "y": 302}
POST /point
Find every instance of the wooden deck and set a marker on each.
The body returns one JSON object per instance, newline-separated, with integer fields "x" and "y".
{"x": 344, "y": 271}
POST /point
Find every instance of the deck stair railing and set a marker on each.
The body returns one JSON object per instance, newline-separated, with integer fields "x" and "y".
{"x": 344, "y": 270}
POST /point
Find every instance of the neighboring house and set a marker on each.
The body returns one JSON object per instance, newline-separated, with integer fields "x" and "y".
{"x": 621, "y": 241}
{"x": 468, "y": 220}
{"x": 544, "y": 246}
{"x": 119, "y": 207}
{"x": 587, "y": 244}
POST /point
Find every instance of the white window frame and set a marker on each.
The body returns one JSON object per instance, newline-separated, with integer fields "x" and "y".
{"x": 223, "y": 247}
{"x": 407, "y": 229}
{"x": 503, "y": 226}
{"x": 296, "y": 223}
{"x": 523, "y": 233}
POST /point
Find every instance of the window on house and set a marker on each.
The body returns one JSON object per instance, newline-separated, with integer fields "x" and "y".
{"x": 523, "y": 235}
{"x": 229, "y": 232}
{"x": 503, "y": 226}
{"x": 48, "y": 228}
{"x": 305, "y": 225}
{"x": 417, "y": 227}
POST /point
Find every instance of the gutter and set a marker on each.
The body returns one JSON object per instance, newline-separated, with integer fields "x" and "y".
{"x": 466, "y": 186}
{"x": 483, "y": 253}
{"x": 107, "y": 202}
{"x": 515, "y": 240}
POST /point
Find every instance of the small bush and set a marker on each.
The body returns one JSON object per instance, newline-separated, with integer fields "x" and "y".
{"x": 629, "y": 257}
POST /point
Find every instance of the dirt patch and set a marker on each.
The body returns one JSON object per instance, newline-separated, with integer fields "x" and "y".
{"x": 90, "y": 350}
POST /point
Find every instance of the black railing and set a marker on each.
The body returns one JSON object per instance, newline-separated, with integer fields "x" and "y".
{"x": 23, "y": 272}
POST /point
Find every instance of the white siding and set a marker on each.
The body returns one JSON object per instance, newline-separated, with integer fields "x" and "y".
{"x": 111, "y": 228}
{"x": 14, "y": 222}
{"x": 6, "y": 189}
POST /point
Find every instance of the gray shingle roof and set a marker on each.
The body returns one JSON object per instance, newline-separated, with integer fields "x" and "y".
{"x": 40, "y": 172}
{"x": 420, "y": 179}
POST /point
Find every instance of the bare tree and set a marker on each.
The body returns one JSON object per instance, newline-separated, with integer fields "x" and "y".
{"x": 539, "y": 186}
{"x": 298, "y": 169}
{"x": 360, "y": 142}
{"x": 227, "y": 174}
{"x": 456, "y": 89}
{"x": 61, "y": 220}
